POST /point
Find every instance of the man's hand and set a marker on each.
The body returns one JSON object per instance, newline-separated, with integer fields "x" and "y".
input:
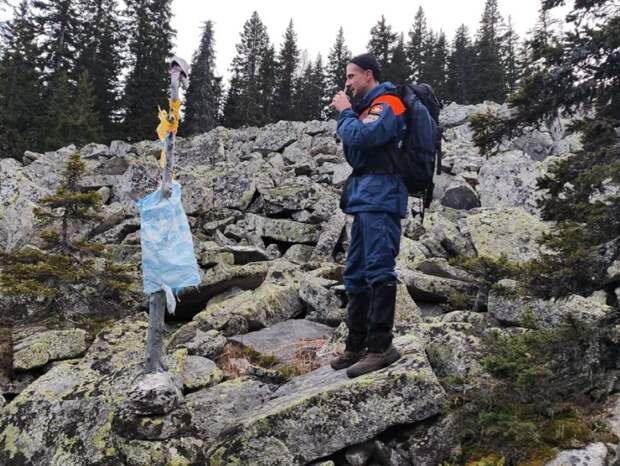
{"x": 341, "y": 102}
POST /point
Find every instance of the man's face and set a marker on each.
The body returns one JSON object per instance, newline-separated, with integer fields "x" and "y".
{"x": 359, "y": 81}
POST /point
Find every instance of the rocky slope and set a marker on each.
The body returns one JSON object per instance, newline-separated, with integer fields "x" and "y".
{"x": 247, "y": 350}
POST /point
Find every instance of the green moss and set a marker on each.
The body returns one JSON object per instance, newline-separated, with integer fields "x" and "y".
{"x": 10, "y": 434}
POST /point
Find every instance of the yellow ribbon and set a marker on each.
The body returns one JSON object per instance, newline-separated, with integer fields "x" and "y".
{"x": 168, "y": 123}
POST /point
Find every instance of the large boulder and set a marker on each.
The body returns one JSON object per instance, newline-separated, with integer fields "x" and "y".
{"x": 54, "y": 345}
{"x": 510, "y": 232}
{"x": 336, "y": 412}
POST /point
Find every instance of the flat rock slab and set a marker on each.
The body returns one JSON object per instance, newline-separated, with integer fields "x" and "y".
{"x": 283, "y": 340}
{"x": 54, "y": 345}
{"x": 336, "y": 412}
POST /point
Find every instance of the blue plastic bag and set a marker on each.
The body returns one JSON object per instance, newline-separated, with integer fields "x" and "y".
{"x": 168, "y": 260}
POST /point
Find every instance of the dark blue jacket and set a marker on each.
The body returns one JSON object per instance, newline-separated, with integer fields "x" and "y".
{"x": 369, "y": 132}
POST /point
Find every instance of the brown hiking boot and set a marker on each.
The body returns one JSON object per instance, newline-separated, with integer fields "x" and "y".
{"x": 346, "y": 359}
{"x": 374, "y": 361}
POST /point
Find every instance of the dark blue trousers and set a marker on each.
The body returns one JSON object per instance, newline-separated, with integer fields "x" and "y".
{"x": 375, "y": 243}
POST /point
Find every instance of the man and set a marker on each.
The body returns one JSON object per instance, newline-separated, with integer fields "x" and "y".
{"x": 377, "y": 198}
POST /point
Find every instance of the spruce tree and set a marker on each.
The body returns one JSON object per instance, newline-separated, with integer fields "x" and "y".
{"x": 103, "y": 44}
{"x": 310, "y": 96}
{"x": 205, "y": 89}
{"x": 489, "y": 77}
{"x": 426, "y": 70}
{"x": 510, "y": 57}
{"x": 582, "y": 81}
{"x": 288, "y": 60}
{"x": 149, "y": 79}
{"x": 382, "y": 42}
{"x": 246, "y": 66}
{"x": 437, "y": 66}
{"x": 398, "y": 69}
{"x": 67, "y": 269}
{"x": 267, "y": 75}
{"x": 336, "y": 69}
{"x": 460, "y": 68}
{"x": 416, "y": 47}
{"x": 20, "y": 90}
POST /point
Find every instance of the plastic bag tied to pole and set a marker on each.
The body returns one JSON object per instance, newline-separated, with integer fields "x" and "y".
{"x": 168, "y": 260}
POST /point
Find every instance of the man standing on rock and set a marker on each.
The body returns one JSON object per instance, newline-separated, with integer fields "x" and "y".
{"x": 377, "y": 198}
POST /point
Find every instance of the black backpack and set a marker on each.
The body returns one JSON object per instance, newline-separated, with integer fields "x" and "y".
{"x": 421, "y": 146}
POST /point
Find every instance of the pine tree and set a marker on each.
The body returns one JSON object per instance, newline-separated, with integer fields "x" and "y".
{"x": 267, "y": 75}
{"x": 437, "y": 66}
{"x": 418, "y": 38}
{"x": 510, "y": 58}
{"x": 398, "y": 69}
{"x": 59, "y": 25}
{"x": 245, "y": 68}
{"x": 71, "y": 114}
{"x": 149, "y": 79}
{"x": 310, "y": 95}
{"x": 288, "y": 60}
{"x": 382, "y": 42}
{"x": 336, "y": 69}
{"x": 426, "y": 70}
{"x": 68, "y": 268}
{"x": 20, "y": 90}
{"x": 205, "y": 89}
{"x": 489, "y": 77}
{"x": 102, "y": 47}
{"x": 460, "y": 68}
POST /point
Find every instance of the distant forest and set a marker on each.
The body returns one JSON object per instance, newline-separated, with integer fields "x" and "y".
{"x": 79, "y": 71}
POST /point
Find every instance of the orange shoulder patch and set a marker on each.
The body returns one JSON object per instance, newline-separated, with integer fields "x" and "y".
{"x": 394, "y": 102}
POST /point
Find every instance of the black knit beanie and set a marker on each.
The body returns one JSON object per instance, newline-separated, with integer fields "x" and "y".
{"x": 367, "y": 61}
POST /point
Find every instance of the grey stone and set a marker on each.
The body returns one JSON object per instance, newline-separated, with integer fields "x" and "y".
{"x": 120, "y": 148}
{"x": 431, "y": 288}
{"x": 326, "y": 306}
{"x": 94, "y": 150}
{"x": 299, "y": 253}
{"x": 278, "y": 136}
{"x": 155, "y": 394}
{"x": 285, "y": 339}
{"x": 337, "y": 411}
{"x": 455, "y": 354}
{"x": 200, "y": 373}
{"x": 460, "y": 195}
{"x": 53, "y": 345}
{"x": 329, "y": 237}
{"x": 283, "y": 230}
{"x": 595, "y": 454}
{"x": 30, "y": 157}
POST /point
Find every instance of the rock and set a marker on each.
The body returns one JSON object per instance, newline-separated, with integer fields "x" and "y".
{"x": 432, "y": 442}
{"x": 30, "y": 157}
{"x": 359, "y": 455}
{"x": 276, "y": 137}
{"x": 337, "y": 412}
{"x": 155, "y": 394}
{"x": 53, "y": 345}
{"x": 446, "y": 227}
{"x": 120, "y": 148}
{"x": 181, "y": 451}
{"x": 455, "y": 354}
{"x": 511, "y": 232}
{"x": 510, "y": 305}
{"x": 104, "y": 193}
{"x": 94, "y": 150}
{"x": 270, "y": 303}
{"x": 329, "y": 237}
{"x": 411, "y": 254}
{"x": 460, "y": 195}
{"x": 325, "y": 305}
{"x": 299, "y": 253}
{"x": 2, "y": 402}
{"x": 200, "y": 373}
{"x": 18, "y": 196}
{"x": 537, "y": 144}
{"x": 283, "y": 230}
{"x": 431, "y": 288}
{"x": 209, "y": 344}
{"x": 510, "y": 180}
{"x": 285, "y": 339}
{"x": 595, "y": 454}
{"x": 406, "y": 312}
{"x": 441, "y": 268}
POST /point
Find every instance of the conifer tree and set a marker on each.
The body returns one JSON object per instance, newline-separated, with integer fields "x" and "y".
{"x": 460, "y": 68}
{"x": 288, "y": 60}
{"x": 148, "y": 81}
{"x": 205, "y": 89}
{"x": 488, "y": 73}
{"x": 246, "y": 66}
{"x": 398, "y": 69}
{"x": 310, "y": 96}
{"x": 102, "y": 48}
{"x": 382, "y": 42}
{"x": 418, "y": 39}
{"x": 267, "y": 75}
{"x": 426, "y": 70}
{"x": 67, "y": 268}
{"x": 20, "y": 90}
{"x": 336, "y": 68}
{"x": 435, "y": 71}
{"x": 510, "y": 57}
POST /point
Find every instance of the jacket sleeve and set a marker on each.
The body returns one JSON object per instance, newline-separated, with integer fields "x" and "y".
{"x": 378, "y": 130}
